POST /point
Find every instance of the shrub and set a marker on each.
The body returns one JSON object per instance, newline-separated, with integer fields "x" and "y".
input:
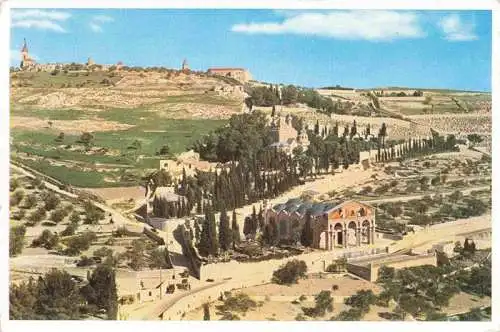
{"x": 80, "y": 243}
{"x": 353, "y": 314}
{"x": 58, "y": 215}
{"x": 16, "y": 197}
{"x": 229, "y": 316}
{"x": 28, "y": 202}
{"x": 92, "y": 213}
{"x": 240, "y": 302}
{"x": 47, "y": 240}
{"x": 324, "y": 303}
{"x": 18, "y": 215}
{"x": 51, "y": 201}
{"x": 362, "y": 300}
{"x": 85, "y": 261}
{"x": 103, "y": 252}
{"x": 75, "y": 217}
{"x": 37, "y": 215}
{"x": 290, "y": 273}
{"x": 16, "y": 240}
{"x": 14, "y": 184}
{"x": 70, "y": 230}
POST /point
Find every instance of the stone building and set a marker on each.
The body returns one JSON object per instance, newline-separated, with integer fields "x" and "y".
{"x": 334, "y": 224}
{"x": 27, "y": 62}
{"x": 285, "y": 136}
{"x": 239, "y": 74}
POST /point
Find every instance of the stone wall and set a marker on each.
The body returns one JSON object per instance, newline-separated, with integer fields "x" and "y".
{"x": 410, "y": 262}
{"x": 361, "y": 271}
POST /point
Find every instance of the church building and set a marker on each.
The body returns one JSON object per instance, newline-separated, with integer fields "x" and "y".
{"x": 334, "y": 224}
{"x": 26, "y": 61}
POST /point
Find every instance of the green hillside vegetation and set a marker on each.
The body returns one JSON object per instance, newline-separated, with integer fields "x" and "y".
{"x": 178, "y": 135}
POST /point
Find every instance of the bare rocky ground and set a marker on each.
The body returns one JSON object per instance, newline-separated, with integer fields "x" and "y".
{"x": 182, "y": 95}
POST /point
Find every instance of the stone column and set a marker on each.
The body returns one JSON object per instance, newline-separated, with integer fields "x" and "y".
{"x": 332, "y": 242}
{"x": 344, "y": 238}
{"x": 327, "y": 240}
{"x": 358, "y": 237}
{"x": 372, "y": 235}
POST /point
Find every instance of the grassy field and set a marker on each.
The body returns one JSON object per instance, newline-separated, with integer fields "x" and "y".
{"x": 151, "y": 130}
{"x": 46, "y": 79}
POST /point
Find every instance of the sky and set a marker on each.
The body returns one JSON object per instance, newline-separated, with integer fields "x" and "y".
{"x": 316, "y": 48}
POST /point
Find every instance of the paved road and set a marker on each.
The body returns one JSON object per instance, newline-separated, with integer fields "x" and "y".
{"x": 164, "y": 304}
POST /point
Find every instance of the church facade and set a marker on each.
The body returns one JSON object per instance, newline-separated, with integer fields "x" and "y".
{"x": 334, "y": 224}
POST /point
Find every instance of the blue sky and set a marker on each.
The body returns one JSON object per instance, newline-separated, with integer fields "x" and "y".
{"x": 434, "y": 49}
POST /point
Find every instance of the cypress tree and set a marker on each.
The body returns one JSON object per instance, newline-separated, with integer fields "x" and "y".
{"x": 225, "y": 236}
{"x": 306, "y": 237}
{"x": 103, "y": 283}
{"x": 204, "y": 240}
{"x": 214, "y": 243}
{"x": 206, "y": 311}
{"x": 247, "y": 227}
{"x": 260, "y": 218}
{"x": 255, "y": 221}
{"x": 235, "y": 230}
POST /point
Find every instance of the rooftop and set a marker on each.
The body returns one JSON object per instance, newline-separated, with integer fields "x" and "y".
{"x": 301, "y": 207}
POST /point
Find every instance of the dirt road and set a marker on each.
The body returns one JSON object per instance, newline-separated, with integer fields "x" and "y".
{"x": 420, "y": 196}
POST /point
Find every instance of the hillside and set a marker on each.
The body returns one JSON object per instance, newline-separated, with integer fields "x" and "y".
{"x": 131, "y": 116}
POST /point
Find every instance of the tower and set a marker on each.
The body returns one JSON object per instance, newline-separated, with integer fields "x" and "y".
{"x": 185, "y": 66}
{"x": 26, "y": 61}
{"x": 302, "y": 138}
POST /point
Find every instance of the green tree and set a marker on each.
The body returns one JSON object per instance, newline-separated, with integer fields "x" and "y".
{"x": 86, "y": 138}
{"x": 225, "y": 234}
{"x": 235, "y": 229}
{"x": 54, "y": 296}
{"x": 324, "y": 303}
{"x": 306, "y": 237}
{"x": 208, "y": 244}
{"x": 290, "y": 272}
{"x": 16, "y": 240}
{"x": 47, "y": 240}
{"x": 104, "y": 291}
{"x": 92, "y": 213}
{"x": 51, "y": 201}
{"x": 206, "y": 311}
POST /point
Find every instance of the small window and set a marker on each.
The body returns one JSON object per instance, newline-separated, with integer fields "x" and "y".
{"x": 150, "y": 294}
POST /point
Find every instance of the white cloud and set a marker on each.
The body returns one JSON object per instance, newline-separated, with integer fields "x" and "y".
{"x": 38, "y": 24}
{"x": 456, "y": 30}
{"x": 40, "y": 14}
{"x": 103, "y": 19}
{"x": 97, "y": 21}
{"x": 365, "y": 25}
{"x": 95, "y": 27}
{"x": 39, "y": 19}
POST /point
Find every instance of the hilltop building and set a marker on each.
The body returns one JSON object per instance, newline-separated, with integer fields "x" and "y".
{"x": 26, "y": 61}
{"x": 334, "y": 224}
{"x": 185, "y": 65}
{"x": 239, "y": 74}
{"x": 285, "y": 136}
